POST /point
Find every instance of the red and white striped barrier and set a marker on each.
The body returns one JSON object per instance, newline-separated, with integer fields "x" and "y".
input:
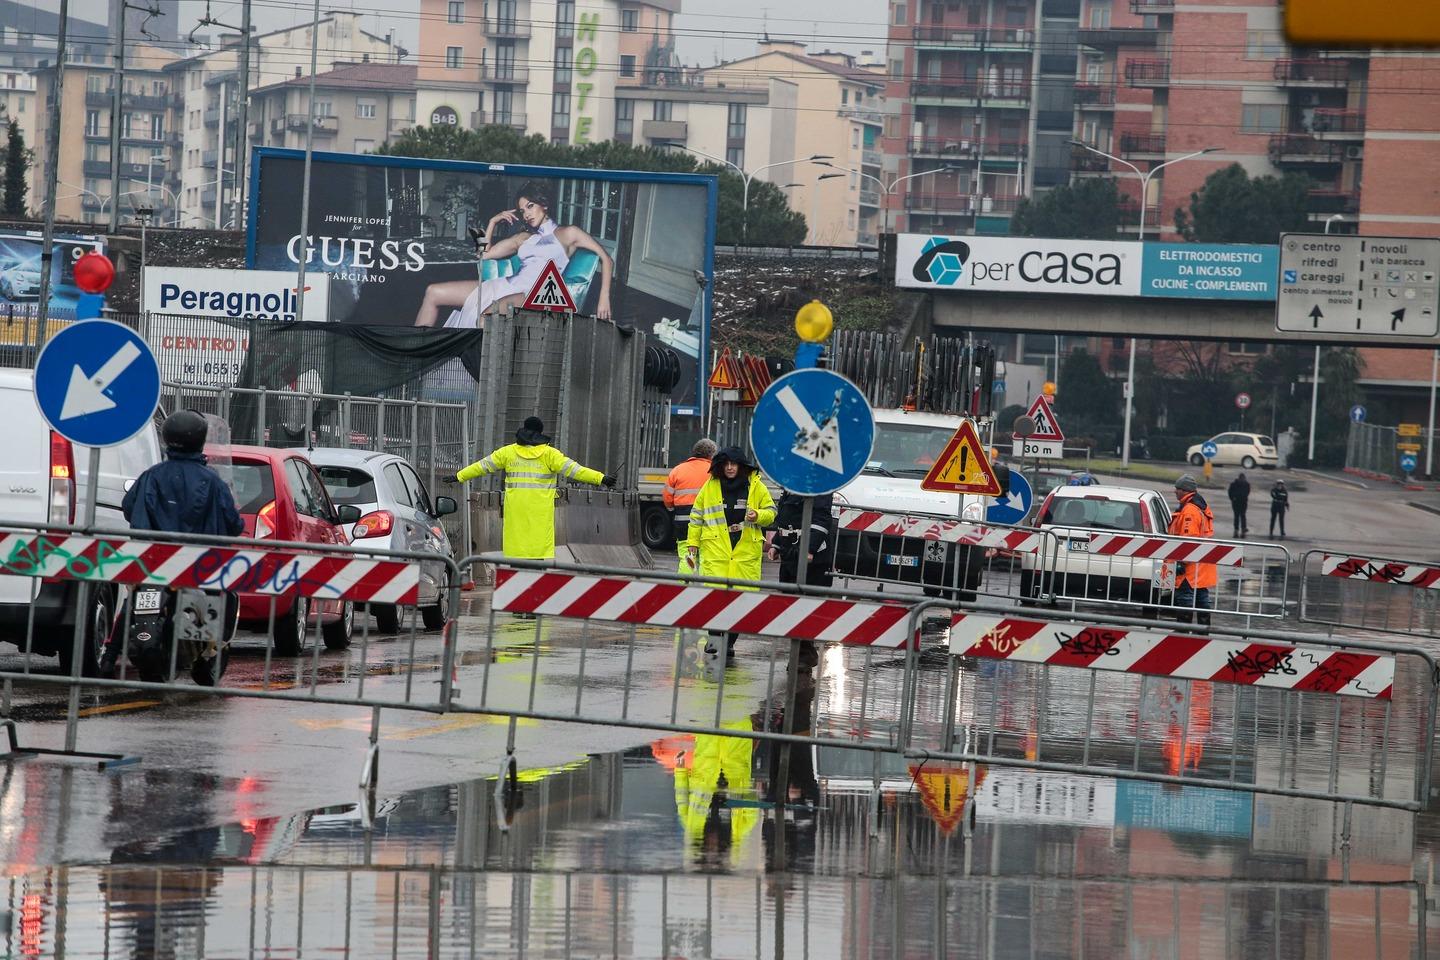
{"x": 257, "y": 571}
{"x": 945, "y": 531}
{"x": 755, "y": 612}
{"x": 1164, "y": 548}
{"x": 1069, "y": 644}
{"x": 1380, "y": 571}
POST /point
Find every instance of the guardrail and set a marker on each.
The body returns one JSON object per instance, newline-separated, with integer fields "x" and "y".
{"x": 1362, "y": 592}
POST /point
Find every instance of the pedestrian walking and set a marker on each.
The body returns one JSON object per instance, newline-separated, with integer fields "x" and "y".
{"x": 1239, "y": 503}
{"x": 682, "y": 486}
{"x": 532, "y": 470}
{"x": 1279, "y": 506}
{"x": 726, "y": 519}
{"x": 783, "y": 540}
{"x": 1193, "y": 581}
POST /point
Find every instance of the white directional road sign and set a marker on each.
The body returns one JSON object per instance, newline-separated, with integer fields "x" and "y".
{"x": 1381, "y": 286}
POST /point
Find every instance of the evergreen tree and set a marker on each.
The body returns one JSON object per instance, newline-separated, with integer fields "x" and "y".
{"x": 17, "y": 165}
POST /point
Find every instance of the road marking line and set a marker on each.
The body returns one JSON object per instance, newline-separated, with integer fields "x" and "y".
{"x": 118, "y": 707}
{"x": 457, "y": 723}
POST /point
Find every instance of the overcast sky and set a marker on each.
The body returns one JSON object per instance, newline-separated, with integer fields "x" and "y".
{"x": 724, "y": 29}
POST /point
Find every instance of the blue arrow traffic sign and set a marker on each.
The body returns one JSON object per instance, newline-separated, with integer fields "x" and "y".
{"x": 1013, "y": 508}
{"x": 812, "y": 432}
{"x": 1357, "y": 413}
{"x": 1408, "y": 463}
{"x": 97, "y": 383}
{"x": 1208, "y": 449}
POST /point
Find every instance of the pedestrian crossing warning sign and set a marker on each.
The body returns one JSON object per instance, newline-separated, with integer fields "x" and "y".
{"x": 943, "y": 791}
{"x": 963, "y": 467}
{"x": 549, "y": 292}
{"x": 1046, "y": 426}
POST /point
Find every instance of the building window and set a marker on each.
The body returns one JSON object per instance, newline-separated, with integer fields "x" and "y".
{"x": 736, "y": 155}
{"x": 564, "y": 18}
{"x": 624, "y": 118}
{"x": 1265, "y": 45}
{"x": 157, "y": 126}
{"x": 324, "y": 108}
{"x": 1262, "y": 117}
{"x": 850, "y": 219}
{"x": 660, "y": 110}
{"x": 457, "y": 11}
{"x": 1099, "y": 14}
{"x": 452, "y": 57}
{"x": 365, "y": 109}
{"x": 627, "y": 65}
{"x": 630, "y": 20}
{"x": 897, "y": 69}
{"x": 563, "y": 60}
{"x": 364, "y": 146}
{"x": 560, "y": 115}
{"x": 899, "y": 13}
{"x": 735, "y": 128}
{"x": 92, "y": 123}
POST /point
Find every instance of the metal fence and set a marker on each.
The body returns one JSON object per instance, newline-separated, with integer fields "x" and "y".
{"x": 1370, "y": 451}
{"x": 1369, "y": 593}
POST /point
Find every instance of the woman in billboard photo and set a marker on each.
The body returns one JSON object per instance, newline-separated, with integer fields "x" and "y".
{"x": 520, "y": 259}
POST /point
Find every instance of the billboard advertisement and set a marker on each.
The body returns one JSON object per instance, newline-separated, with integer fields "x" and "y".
{"x": 20, "y": 272}
{"x": 449, "y": 244}
{"x": 1110, "y": 268}
{"x": 213, "y": 352}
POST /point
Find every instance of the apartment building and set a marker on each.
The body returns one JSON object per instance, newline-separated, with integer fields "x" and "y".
{"x": 84, "y": 163}
{"x": 358, "y": 107}
{"x": 204, "y": 128}
{"x": 995, "y": 91}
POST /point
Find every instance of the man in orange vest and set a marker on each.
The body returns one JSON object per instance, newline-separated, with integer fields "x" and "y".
{"x": 1193, "y": 580}
{"x": 681, "y": 488}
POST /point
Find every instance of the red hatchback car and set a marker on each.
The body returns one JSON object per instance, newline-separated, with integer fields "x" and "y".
{"x": 280, "y": 497}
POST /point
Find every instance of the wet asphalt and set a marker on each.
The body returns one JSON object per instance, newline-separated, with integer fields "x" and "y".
{"x": 240, "y": 830}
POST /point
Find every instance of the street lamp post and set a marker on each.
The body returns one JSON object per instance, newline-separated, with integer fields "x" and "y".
{"x": 886, "y": 190}
{"x": 1144, "y": 176}
{"x": 746, "y": 178}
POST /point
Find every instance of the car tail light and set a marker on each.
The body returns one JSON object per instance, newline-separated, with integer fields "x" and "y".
{"x": 265, "y": 521}
{"x": 377, "y": 524}
{"x": 62, "y": 480}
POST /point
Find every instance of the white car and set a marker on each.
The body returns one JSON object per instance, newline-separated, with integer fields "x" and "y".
{"x": 396, "y": 513}
{"x": 1248, "y": 450}
{"x": 19, "y": 281}
{"x": 1073, "y": 514}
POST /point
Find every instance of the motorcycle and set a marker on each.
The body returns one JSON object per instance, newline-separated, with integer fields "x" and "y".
{"x": 189, "y": 627}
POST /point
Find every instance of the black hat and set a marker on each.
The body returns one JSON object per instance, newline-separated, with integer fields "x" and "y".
{"x": 184, "y": 431}
{"x": 729, "y": 455}
{"x": 532, "y": 434}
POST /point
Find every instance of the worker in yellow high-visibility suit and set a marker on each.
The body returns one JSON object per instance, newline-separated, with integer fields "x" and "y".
{"x": 532, "y": 467}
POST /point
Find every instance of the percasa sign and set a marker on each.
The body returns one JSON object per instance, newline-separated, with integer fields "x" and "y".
{"x": 1018, "y": 265}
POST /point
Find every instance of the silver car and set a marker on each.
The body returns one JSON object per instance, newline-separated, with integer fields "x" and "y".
{"x": 397, "y": 513}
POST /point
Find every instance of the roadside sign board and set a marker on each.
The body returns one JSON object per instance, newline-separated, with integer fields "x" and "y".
{"x": 1047, "y": 427}
{"x": 1357, "y": 414}
{"x": 724, "y": 376}
{"x": 97, "y": 383}
{"x": 812, "y": 432}
{"x": 1014, "y": 506}
{"x": 963, "y": 466}
{"x": 943, "y": 791}
{"x": 1408, "y": 462}
{"x": 550, "y": 292}
{"x": 1408, "y": 429}
{"x": 1408, "y": 447}
{"x": 1208, "y": 449}
{"x": 1378, "y": 286}
{"x": 1341, "y": 23}
{"x": 1039, "y": 449}
{"x": 1242, "y": 400}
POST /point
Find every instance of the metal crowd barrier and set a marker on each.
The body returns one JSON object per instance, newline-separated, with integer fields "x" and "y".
{"x": 1382, "y": 594}
{"x": 301, "y": 597}
{"x": 942, "y": 555}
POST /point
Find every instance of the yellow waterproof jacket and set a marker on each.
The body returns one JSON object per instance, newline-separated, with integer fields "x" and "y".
{"x": 711, "y": 534}
{"x": 531, "y": 473}
{"x": 697, "y": 780}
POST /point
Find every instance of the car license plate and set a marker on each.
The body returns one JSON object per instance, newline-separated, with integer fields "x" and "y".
{"x": 1080, "y": 546}
{"x": 899, "y": 560}
{"x": 147, "y": 601}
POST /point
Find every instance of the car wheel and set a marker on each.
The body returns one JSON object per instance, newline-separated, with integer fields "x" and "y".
{"x": 97, "y": 625}
{"x": 656, "y": 527}
{"x": 437, "y": 614}
{"x": 1248, "y": 463}
{"x": 1197, "y": 460}
{"x": 387, "y": 617}
{"x": 292, "y": 630}
{"x": 337, "y": 635}
{"x": 206, "y": 672}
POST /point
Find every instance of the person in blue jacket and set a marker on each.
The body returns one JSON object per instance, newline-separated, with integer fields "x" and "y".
{"x": 181, "y": 494}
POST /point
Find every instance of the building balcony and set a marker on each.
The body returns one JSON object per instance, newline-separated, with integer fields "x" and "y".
{"x": 1152, "y": 8}
{"x": 1147, "y": 73}
{"x": 958, "y": 37}
{"x": 1129, "y": 212}
{"x": 1142, "y": 146}
{"x": 212, "y": 116}
{"x": 863, "y": 114}
{"x": 208, "y": 157}
{"x": 96, "y": 168}
{"x": 130, "y": 101}
{"x": 207, "y": 198}
{"x": 324, "y": 126}
{"x": 1312, "y": 74}
{"x": 1334, "y": 200}
{"x": 870, "y": 198}
{"x": 1095, "y": 96}
{"x": 671, "y": 131}
{"x": 962, "y": 204}
{"x": 1101, "y": 38}
{"x": 507, "y": 27}
{"x": 277, "y": 126}
{"x": 1329, "y": 123}
{"x": 398, "y": 125}
{"x": 970, "y": 92}
{"x": 1301, "y": 148}
{"x": 871, "y": 158}
{"x": 502, "y": 118}
{"x": 1083, "y": 161}
{"x": 255, "y": 129}
{"x": 90, "y": 202}
{"x": 504, "y": 73}
{"x": 958, "y": 148}
{"x": 867, "y": 240}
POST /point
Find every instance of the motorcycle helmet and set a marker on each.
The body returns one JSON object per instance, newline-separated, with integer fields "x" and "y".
{"x": 184, "y": 431}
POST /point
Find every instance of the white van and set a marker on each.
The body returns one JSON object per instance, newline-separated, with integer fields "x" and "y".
{"x": 907, "y": 443}
{"x": 42, "y": 480}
